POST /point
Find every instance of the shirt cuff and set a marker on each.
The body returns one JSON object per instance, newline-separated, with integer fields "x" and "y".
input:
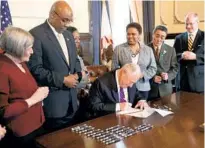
{"x": 182, "y": 55}
{"x": 142, "y": 101}
{"x": 117, "y": 108}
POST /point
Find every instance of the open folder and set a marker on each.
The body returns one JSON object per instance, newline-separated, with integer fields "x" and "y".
{"x": 144, "y": 113}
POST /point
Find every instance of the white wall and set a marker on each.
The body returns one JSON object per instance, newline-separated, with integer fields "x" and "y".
{"x": 170, "y": 42}
{"x": 30, "y": 13}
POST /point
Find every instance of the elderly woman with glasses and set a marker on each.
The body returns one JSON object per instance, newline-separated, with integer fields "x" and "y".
{"x": 20, "y": 98}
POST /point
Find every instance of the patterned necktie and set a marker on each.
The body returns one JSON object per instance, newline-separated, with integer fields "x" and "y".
{"x": 122, "y": 95}
{"x": 157, "y": 53}
{"x": 190, "y": 42}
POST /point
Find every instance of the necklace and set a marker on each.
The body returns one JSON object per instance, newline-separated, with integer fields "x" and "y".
{"x": 134, "y": 55}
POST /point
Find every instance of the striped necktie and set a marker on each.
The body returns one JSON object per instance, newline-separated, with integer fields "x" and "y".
{"x": 190, "y": 42}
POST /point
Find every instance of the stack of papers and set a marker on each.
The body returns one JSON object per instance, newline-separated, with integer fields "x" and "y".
{"x": 144, "y": 113}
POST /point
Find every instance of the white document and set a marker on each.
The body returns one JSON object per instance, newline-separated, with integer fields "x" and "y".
{"x": 163, "y": 113}
{"x": 138, "y": 113}
{"x": 129, "y": 111}
{"x": 144, "y": 113}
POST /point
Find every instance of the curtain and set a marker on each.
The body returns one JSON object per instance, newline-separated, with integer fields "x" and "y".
{"x": 148, "y": 20}
{"x": 95, "y": 28}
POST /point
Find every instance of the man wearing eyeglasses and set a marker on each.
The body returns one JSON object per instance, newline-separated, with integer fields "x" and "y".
{"x": 190, "y": 55}
{"x": 55, "y": 64}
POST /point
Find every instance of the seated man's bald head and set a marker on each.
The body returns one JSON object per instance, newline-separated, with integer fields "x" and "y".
{"x": 129, "y": 74}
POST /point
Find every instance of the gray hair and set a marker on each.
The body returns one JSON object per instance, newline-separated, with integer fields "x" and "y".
{"x": 160, "y": 27}
{"x": 15, "y": 41}
{"x": 133, "y": 68}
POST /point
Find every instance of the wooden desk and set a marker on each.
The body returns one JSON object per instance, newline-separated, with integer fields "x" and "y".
{"x": 174, "y": 131}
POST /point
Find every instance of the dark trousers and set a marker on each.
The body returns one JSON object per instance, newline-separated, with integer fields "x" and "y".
{"x": 154, "y": 91}
{"x": 53, "y": 124}
{"x": 184, "y": 83}
{"x": 185, "y": 86}
{"x": 28, "y": 141}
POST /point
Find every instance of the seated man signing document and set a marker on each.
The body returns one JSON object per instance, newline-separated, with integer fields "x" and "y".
{"x": 114, "y": 91}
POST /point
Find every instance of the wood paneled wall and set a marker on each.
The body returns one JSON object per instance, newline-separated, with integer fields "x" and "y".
{"x": 87, "y": 45}
{"x": 172, "y": 13}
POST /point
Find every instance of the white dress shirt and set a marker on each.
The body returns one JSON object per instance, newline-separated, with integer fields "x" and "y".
{"x": 118, "y": 90}
{"x": 193, "y": 35}
{"x": 61, "y": 41}
{"x": 135, "y": 59}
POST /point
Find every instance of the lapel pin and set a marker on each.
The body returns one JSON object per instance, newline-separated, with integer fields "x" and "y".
{"x": 164, "y": 52}
{"x": 67, "y": 39}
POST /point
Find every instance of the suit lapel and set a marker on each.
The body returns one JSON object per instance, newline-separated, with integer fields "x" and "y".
{"x": 131, "y": 94}
{"x": 160, "y": 53}
{"x": 115, "y": 95}
{"x": 185, "y": 40}
{"x": 152, "y": 46}
{"x": 142, "y": 55}
{"x": 69, "y": 47}
{"x": 163, "y": 51}
{"x": 140, "y": 58}
{"x": 51, "y": 36}
{"x": 196, "y": 40}
{"x": 113, "y": 87}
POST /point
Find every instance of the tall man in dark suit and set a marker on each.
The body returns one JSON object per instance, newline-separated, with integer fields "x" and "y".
{"x": 55, "y": 64}
{"x": 190, "y": 55}
{"x": 114, "y": 91}
{"x": 165, "y": 56}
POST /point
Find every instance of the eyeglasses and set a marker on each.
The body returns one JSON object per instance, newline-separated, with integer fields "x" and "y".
{"x": 191, "y": 24}
{"x": 64, "y": 20}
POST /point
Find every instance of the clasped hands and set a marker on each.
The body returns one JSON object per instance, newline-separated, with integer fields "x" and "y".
{"x": 71, "y": 80}
{"x": 188, "y": 55}
{"x": 163, "y": 76}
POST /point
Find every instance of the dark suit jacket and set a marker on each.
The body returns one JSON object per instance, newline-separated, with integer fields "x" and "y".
{"x": 194, "y": 69}
{"x": 104, "y": 95}
{"x": 167, "y": 62}
{"x": 48, "y": 65}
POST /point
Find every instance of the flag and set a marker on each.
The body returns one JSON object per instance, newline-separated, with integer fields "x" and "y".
{"x": 106, "y": 32}
{"x": 5, "y": 15}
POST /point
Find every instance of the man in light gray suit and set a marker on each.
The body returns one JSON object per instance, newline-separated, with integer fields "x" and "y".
{"x": 165, "y": 56}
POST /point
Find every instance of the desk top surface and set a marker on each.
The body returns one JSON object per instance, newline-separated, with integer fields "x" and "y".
{"x": 177, "y": 130}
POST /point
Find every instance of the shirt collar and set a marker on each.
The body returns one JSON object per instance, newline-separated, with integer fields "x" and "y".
{"x": 193, "y": 33}
{"x": 53, "y": 29}
{"x": 155, "y": 47}
{"x": 116, "y": 78}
